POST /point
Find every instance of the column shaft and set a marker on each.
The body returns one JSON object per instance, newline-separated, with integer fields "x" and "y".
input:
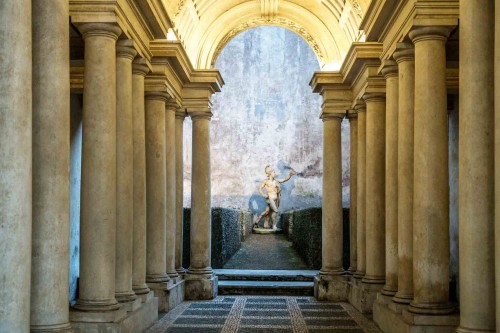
{"x": 391, "y": 181}
{"x": 155, "y": 188}
{"x": 98, "y": 190}
{"x": 50, "y": 260}
{"x": 476, "y": 167}
{"x": 353, "y": 197}
{"x": 375, "y": 189}
{"x": 139, "y": 285}
{"x": 15, "y": 165}
{"x": 125, "y": 172}
{"x": 332, "y": 231}
{"x": 497, "y": 158}
{"x": 361, "y": 195}
{"x": 170, "y": 188}
{"x": 406, "y": 64}
{"x": 431, "y": 241}
{"x": 201, "y": 220}
{"x": 179, "y": 190}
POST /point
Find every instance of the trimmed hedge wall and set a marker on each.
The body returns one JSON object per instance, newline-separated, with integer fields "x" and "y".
{"x": 303, "y": 228}
{"x": 226, "y": 239}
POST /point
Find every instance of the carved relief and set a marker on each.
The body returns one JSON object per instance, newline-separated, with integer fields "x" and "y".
{"x": 180, "y": 6}
{"x": 277, "y": 21}
{"x": 357, "y": 8}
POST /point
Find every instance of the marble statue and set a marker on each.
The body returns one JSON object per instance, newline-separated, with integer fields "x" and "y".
{"x": 272, "y": 196}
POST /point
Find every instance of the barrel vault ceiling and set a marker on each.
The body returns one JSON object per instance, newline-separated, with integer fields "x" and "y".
{"x": 205, "y": 26}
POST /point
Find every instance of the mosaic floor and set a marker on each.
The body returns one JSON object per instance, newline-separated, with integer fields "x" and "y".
{"x": 277, "y": 314}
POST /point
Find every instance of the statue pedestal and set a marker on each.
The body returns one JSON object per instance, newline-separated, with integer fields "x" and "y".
{"x": 264, "y": 231}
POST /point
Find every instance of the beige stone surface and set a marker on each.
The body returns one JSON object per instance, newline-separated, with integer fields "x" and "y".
{"x": 353, "y": 168}
{"x": 476, "y": 167}
{"x": 390, "y": 72}
{"x": 431, "y": 243}
{"x": 332, "y": 230}
{"x": 170, "y": 175}
{"x": 49, "y": 266}
{"x": 155, "y": 188}
{"x": 201, "y": 220}
{"x": 139, "y": 71}
{"x": 405, "y": 56}
{"x": 98, "y": 189}
{"x": 497, "y": 157}
{"x": 179, "y": 188}
{"x": 15, "y": 165}
{"x": 332, "y": 288}
{"x": 375, "y": 185}
{"x": 125, "y": 172}
{"x": 361, "y": 193}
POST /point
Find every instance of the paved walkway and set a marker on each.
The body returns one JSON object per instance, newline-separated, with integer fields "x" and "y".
{"x": 266, "y": 252}
{"x": 266, "y": 314}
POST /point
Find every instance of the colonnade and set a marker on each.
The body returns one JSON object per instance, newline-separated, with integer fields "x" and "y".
{"x": 131, "y": 182}
{"x": 400, "y": 191}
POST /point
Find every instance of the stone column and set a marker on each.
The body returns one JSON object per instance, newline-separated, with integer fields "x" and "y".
{"x": 361, "y": 195}
{"x": 171, "y": 215}
{"x": 431, "y": 243}
{"x": 98, "y": 190}
{"x": 139, "y": 71}
{"x": 179, "y": 188}
{"x": 155, "y": 189}
{"x": 332, "y": 248}
{"x": 497, "y": 157}
{"x": 50, "y": 253}
{"x": 15, "y": 165}
{"x": 125, "y": 174}
{"x": 353, "y": 198}
{"x": 200, "y": 280}
{"x": 405, "y": 57}
{"x": 476, "y": 167}
{"x": 390, "y": 72}
{"x": 375, "y": 188}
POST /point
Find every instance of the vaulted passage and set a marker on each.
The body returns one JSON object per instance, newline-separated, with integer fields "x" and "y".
{"x": 96, "y": 157}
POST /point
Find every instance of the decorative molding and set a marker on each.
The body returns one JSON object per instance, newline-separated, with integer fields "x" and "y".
{"x": 180, "y": 6}
{"x": 277, "y": 21}
{"x": 356, "y": 8}
{"x": 269, "y": 8}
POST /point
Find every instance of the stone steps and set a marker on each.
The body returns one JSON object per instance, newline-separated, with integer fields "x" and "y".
{"x": 266, "y": 282}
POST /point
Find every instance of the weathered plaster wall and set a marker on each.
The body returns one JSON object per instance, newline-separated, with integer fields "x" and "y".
{"x": 266, "y": 114}
{"x": 75, "y": 181}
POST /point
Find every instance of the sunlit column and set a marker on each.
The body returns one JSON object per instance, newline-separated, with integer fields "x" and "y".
{"x": 353, "y": 231}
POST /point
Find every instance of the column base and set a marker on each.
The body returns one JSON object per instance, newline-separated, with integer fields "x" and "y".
{"x": 362, "y": 295}
{"x": 132, "y": 305}
{"x": 395, "y": 318}
{"x": 169, "y": 294}
{"x": 146, "y": 297}
{"x": 331, "y": 288}
{"x": 141, "y": 291}
{"x": 131, "y": 322}
{"x": 64, "y": 328}
{"x": 201, "y": 287}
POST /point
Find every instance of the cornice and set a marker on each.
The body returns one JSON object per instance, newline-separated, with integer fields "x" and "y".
{"x": 360, "y": 56}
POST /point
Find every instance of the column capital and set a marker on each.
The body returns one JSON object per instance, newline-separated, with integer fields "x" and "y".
{"x": 110, "y": 30}
{"x": 125, "y": 49}
{"x": 139, "y": 67}
{"x": 352, "y": 115}
{"x": 171, "y": 105}
{"x": 424, "y": 33}
{"x": 197, "y": 115}
{"x": 360, "y": 106}
{"x": 180, "y": 113}
{"x": 328, "y": 116}
{"x": 389, "y": 68}
{"x": 374, "y": 97}
{"x": 157, "y": 95}
{"x": 404, "y": 52}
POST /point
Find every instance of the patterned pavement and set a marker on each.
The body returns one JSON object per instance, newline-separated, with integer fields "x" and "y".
{"x": 255, "y": 314}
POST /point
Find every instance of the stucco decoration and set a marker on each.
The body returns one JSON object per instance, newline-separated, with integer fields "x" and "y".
{"x": 277, "y": 21}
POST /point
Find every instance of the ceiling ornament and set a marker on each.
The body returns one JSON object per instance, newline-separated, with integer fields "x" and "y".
{"x": 357, "y": 8}
{"x": 276, "y": 21}
{"x": 269, "y": 8}
{"x": 180, "y": 6}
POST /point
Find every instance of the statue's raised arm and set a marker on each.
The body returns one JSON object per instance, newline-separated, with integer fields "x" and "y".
{"x": 290, "y": 175}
